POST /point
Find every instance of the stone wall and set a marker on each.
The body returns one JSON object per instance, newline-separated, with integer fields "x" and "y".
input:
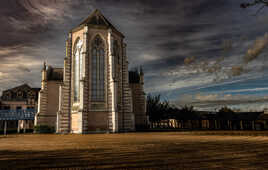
{"x": 139, "y": 102}
{"x": 98, "y": 121}
{"x": 128, "y": 123}
{"x": 49, "y": 104}
{"x": 64, "y": 116}
{"x": 40, "y": 118}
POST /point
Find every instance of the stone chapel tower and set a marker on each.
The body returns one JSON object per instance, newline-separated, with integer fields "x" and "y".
{"x": 94, "y": 92}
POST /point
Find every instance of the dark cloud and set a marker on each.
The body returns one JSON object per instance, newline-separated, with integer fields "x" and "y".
{"x": 160, "y": 35}
{"x": 20, "y": 24}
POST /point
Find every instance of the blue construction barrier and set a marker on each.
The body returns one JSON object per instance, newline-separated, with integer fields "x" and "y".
{"x": 27, "y": 114}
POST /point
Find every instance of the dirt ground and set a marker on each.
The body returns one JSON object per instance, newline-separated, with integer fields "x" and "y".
{"x": 155, "y": 150}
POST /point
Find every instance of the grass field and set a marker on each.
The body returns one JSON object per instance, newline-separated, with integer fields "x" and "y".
{"x": 157, "y": 150}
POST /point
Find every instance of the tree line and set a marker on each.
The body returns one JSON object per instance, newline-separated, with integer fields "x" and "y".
{"x": 159, "y": 111}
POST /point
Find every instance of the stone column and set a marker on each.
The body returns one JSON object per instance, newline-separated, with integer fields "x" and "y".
{"x": 5, "y": 127}
{"x": 84, "y": 83}
{"x": 64, "y": 121}
{"x": 129, "y": 117}
{"x": 42, "y": 99}
{"x": 24, "y": 126}
{"x": 112, "y": 84}
{"x": 18, "y": 130}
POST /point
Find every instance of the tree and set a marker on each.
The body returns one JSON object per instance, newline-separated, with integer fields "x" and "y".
{"x": 187, "y": 113}
{"x": 157, "y": 110}
{"x": 263, "y": 3}
{"x": 174, "y": 113}
{"x": 226, "y": 117}
{"x": 152, "y": 107}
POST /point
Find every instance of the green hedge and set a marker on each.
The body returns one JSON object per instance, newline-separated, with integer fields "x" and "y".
{"x": 142, "y": 127}
{"x": 44, "y": 129}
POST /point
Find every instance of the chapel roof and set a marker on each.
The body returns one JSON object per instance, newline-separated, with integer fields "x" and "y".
{"x": 96, "y": 18}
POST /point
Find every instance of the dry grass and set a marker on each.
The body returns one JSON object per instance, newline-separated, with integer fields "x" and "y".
{"x": 161, "y": 150}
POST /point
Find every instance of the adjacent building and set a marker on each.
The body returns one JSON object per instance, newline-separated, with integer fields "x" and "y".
{"x": 17, "y": 105}
{"x": 19, "y": 98}
{"x": 94, "y": 92}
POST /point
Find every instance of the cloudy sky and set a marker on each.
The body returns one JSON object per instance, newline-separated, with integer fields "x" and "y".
{"x": 206, "y": 53}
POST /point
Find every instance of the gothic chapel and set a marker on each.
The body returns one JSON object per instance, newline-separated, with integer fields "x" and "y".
{"x": 94, "y": 92}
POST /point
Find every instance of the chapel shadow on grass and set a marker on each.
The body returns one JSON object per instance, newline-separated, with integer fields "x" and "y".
{"x": 73, "y": 159}
{"x": 155, "y": 155}
{"x": 47, "y": 159}
{"x": 165, "y": 150}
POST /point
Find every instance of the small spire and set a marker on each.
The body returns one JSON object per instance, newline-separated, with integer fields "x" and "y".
{"x": 141, "y": 71}
{"x": 97, "y": 11}
{"x": 45, "y": 66}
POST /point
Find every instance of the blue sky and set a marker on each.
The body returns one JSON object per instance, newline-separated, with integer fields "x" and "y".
{"x": 204, "y": 53}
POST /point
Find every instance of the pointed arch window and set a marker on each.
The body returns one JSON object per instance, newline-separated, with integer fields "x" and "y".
{"x": 97, "y": 72}
{"x": 78, "y": 69}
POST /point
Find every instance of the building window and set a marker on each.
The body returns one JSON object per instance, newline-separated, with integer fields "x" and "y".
{"x": 7, "y": 95}
{"x": 97, "y": 72}
{"x": 19, "y": 94}
{"x": 30, "y": 94}
{"x": 77, "y": 69}
{"x": 6, "y": 107}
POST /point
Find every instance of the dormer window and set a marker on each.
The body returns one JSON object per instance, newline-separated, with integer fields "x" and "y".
{"x": 19, "y": 94}
{"x": 30, "y": 94}
{"x": 7, "y": 96}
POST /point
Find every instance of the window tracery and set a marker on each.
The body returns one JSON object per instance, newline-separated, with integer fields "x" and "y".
{"x": 97, "y": 72}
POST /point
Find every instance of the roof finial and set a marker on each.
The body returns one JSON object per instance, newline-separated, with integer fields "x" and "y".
{"x": 45, "y": 65}
{"x": 141, "y": 71}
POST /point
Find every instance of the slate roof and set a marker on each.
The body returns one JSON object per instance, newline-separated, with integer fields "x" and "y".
{"x": 208, "y": 116}
{"x": 248, "y": 115}
{"x": 97, "y": 18}
{"x": 36, "y": 89}
{"x": 236, "y": 116}
{"x": 263, "y": 117}
{"x": 55, "y": 74}
{"x": 24, "y": 88}
{"x": 134, "y": 77}
{"x": 19, "y": 87}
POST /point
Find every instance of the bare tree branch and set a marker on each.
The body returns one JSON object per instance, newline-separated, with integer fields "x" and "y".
{"x": 264, "y": 3}
{"x": 255, "y": 2}
{"x": 259, "y": 10}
